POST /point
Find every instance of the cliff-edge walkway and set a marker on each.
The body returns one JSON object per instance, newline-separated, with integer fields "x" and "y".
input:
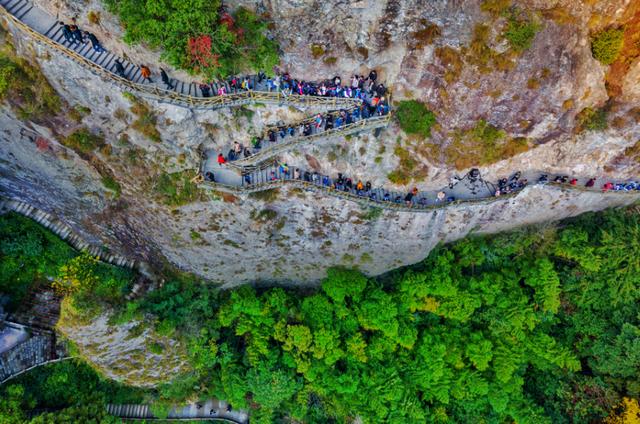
{"x": 45, "y": 29}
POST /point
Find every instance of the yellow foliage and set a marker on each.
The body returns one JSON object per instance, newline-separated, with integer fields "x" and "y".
{"x": 628, "y": 412}
{"x": 75, "y": 275}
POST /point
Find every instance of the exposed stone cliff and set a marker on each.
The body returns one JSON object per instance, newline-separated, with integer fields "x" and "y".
{"x": 216, "y": 236}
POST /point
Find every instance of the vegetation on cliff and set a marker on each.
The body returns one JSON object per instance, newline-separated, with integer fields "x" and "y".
{"x": 23, "y": 86}
{"x": 198, "y": 36}
{"x": 531, "y": 326}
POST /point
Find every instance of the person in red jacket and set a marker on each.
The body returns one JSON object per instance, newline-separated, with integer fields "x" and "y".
{"x": 221, "y": 159}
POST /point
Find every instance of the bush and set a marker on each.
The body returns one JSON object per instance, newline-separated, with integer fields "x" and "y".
{"x": 83, "y": 141}
{"x": 606, "y": 45}
{"x": 176, "y": 189}
{"x": 495, "y": 7}
{"x": 24, "y": 87}
{"x": 414, "y": 118}
{"x": 592, "y": 119}
{"x": 196, "y": 38}
{"x": 146, "y": 120}
{"x": 110, "y": 183}
{"x": 520, "y": 32}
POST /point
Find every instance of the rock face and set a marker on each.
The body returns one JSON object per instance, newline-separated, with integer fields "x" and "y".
{"x": 218, "y": 236}
{"x": 130, "y": 353}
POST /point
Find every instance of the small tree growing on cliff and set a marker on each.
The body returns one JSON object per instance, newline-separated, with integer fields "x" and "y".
{"x": 606, "y": 45}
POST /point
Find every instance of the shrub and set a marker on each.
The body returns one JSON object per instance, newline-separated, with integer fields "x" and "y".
{"x": 495, "y": 7}
{"x": 177, "y": 189}
{"x": 592, "y": 119}
{"x": 93, "y": 17}
{"x": 24, "y": 86}
{"x": 482, "y": 145}
{"x": 266, "y": 195}
{"x": 317, "y": 50}
{"x": 196, "y": 38}
{"x": 414, "y": 118}
{"x": 520, "y": 32}
{"x": 452, "y": 61}
{"x": 109, "y": 182}
{"x": 606, "y": 45}
{"x": 426, "y": 34}
{"x": 83, "y": 141}
{"x": 146, "y": 120}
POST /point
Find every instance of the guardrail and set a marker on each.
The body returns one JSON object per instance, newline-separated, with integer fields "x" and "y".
{"x": 387, "y": 205}
{"x": 164, "y": 95}
{"x": 344, "y": 130}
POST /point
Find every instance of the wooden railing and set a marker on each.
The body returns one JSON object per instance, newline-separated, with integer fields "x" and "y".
{"x": 269, "y": 150}
{"x": 169, "y": 96}
{"x": 378, "y": 203}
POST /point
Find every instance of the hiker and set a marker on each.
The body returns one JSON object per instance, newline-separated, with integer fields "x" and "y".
{"x": 272, "y": 135}
{"x": 119, "y": 68}
{"x": 591, "y": 182}
{"x": 544, "y": 178}
{"x": 67, "y": 32}
{"x": 296, "y": 174}
{"x": 367, "y": 186}
{"x": 146, "y": 73}
{"x": 247, "y": 152}
{"x": 237, "y": 147}
{"x": 307, "y": 130}
{"x": 373, "y": 76}
{"x": 359, "y": 186}
{"x": 209, "y": 176}
{"x": 94, "y": 42}
{"x": 77, "y": 33}
{"x": 284, "y": 169}
{"x": 222, "y": 90}
{"x": 574, "y": 181}
{"x": 221, "y": 159}
{"x": 261, "y": 76}
{"x": 440, "y": 196}
{"x": 608, "y": 186}
{"x": 212, "y": 411}
{"x": 409, "y": 197}
{"x": 206, "y": 91}
{"x": 165, "y": 79}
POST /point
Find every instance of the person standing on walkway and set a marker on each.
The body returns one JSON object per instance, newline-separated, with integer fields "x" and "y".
{"x": 77, "y": 33}
{"x": 67, "y": 33}
{"x": 165, "y": 79}
{"x": 119, "y": 68}
{"x": 206, "y": 90}
{"x": 221, "y": 159}
{"x": 94, "y": 42}
{"x": 146, "y": 73}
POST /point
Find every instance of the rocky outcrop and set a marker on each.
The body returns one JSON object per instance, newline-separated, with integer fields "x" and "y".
{"x": 131, "y": 353}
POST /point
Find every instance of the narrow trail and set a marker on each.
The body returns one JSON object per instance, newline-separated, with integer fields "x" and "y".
{"x": 210, "y": 410}
{"x": 45, "y": 29}
{"x": 466, "y": 189}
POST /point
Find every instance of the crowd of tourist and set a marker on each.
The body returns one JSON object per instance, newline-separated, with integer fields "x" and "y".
{"x": 359, "y": 86}
{"x": 413, "y": 198}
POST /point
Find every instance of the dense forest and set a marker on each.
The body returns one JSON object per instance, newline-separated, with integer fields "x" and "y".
{"x": 540, "y": 325}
